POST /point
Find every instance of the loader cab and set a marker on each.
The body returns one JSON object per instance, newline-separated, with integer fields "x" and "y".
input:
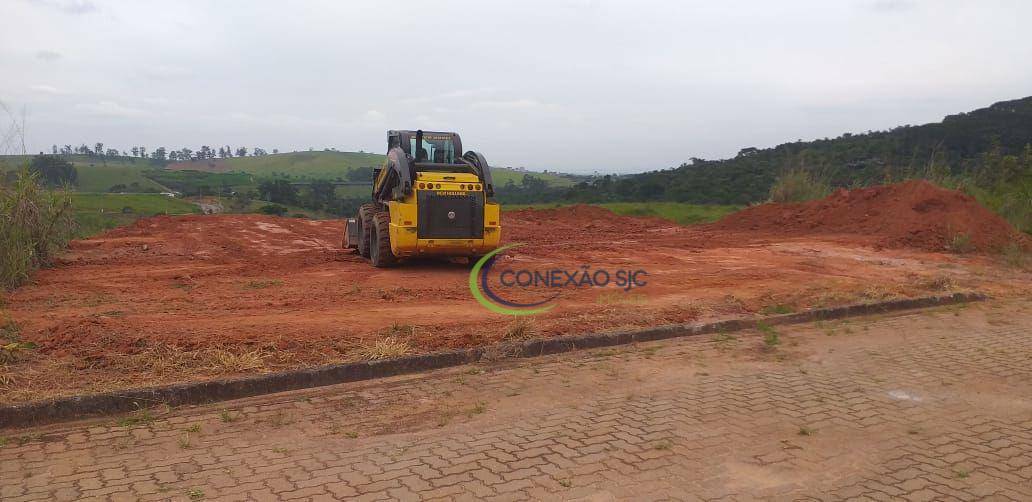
{"x": 435, "y": 151}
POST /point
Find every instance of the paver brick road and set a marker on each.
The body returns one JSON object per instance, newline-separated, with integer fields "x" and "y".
{"x": 923, "y": 406}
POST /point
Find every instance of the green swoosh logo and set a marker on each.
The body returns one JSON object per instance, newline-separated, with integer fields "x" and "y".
{"x": 474, "y": 274}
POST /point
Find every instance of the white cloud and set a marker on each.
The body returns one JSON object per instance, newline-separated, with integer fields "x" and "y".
{"x": 164, "y": 72}
{"x": 109, "y": 109}
{"x": 48, "y": 56}
{"x": 889, "y": 5}
{"x": 69, "y": 6}
{"x": 373, "y": 116}
{"x": 46, "y": 89}
{"x": 512, "y": 104}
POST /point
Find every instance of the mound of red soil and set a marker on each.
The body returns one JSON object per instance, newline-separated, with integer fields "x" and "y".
{"x": 914, "y": 214}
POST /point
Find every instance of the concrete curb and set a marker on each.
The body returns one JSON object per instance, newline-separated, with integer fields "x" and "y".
{"x": 78, "y": 407}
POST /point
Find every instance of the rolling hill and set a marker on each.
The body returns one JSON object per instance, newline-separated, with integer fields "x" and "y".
{"x": 331, "y": 165}
{"x": 986, "y": 139}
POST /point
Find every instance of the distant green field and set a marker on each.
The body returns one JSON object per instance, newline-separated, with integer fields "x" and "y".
{"x": 678, "y": 212}
{"x": 98, "y": 212}
{"x": 100, "y": 178}
{"x": 316, "y": 165}
{"x": 333, "y": 165}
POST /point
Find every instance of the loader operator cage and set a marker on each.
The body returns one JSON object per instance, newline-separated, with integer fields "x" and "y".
{"x": 436, "y": 151}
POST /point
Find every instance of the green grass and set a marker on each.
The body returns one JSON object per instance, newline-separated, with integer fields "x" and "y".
{"x": 95, "y": 213}
{"x": 148, "y": 204}
{"x": 678, "y": 212}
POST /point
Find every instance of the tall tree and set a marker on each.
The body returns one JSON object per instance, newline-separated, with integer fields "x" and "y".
{"x": 278, "y": 191}
{"x": 54, "y": 170}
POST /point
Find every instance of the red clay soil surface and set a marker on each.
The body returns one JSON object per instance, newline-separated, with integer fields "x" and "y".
{"x": 175, "y": 298}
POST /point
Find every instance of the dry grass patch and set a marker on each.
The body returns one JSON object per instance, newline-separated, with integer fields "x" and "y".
{"x": 520, "y": 329}
{"x": 224, "y": 360}
{"x": 386, "y": 348}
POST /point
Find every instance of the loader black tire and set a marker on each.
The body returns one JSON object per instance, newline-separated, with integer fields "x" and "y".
{"x": 365, "y": 227}
{"x": 380, "y": 253}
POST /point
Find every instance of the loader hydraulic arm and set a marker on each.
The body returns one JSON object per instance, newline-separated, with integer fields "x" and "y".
{"x": 394, "y": 181}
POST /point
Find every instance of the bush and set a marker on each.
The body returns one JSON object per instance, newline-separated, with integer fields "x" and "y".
{"x": 35, "y": 223}
{"x": 273, "y": 209}
{"x": 799, "y": 185}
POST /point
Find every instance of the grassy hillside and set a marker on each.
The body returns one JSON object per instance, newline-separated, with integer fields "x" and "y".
{"x": 678, "y": 212}
{"x": 300, "y": 165}
{"x": 98, "y": 174}
{"x": 329, "y": 165}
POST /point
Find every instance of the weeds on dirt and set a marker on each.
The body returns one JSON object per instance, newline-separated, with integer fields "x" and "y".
{"x": 386, "y": 348}
{"x": 939, "y": 283}
{"x": 405, "y": 330}
{"x": 35, "y": 224}
{"x": 13, "y": 351}
{"x": 777, "y": 309}
{"x": 959, "y": 243}
{"x": 11, "y": 347}
{"x": 1016, "y": 256}
{"x": 520, "y": 329}
{"x": 139, "y": 417}
{"x": 799, "y": 185}
{"x": 663, "y": 445}
{"x": 477, "y": 409}
{"x": 806, "y": 431}
{"x": 391, "y": 294}
{"x": 10, "y": 330}
{"x": 724, "y": 341}
{"x": 262, "y": 283}
{"x": 771, "y": 338}
{"x": 195, "y": 494}
{"x": 227, "y": 417}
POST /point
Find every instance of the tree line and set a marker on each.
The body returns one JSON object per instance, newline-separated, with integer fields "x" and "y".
{"x": 161, "y": 154}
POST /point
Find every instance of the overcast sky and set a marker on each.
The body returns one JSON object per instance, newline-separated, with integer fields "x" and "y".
{"x": 569, "y": 85}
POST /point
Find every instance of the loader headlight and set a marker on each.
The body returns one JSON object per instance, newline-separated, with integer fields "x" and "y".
{"x": 422, "y": 186}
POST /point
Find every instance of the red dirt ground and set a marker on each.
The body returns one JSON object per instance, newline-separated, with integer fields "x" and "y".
{"x": 283, "y": 289}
